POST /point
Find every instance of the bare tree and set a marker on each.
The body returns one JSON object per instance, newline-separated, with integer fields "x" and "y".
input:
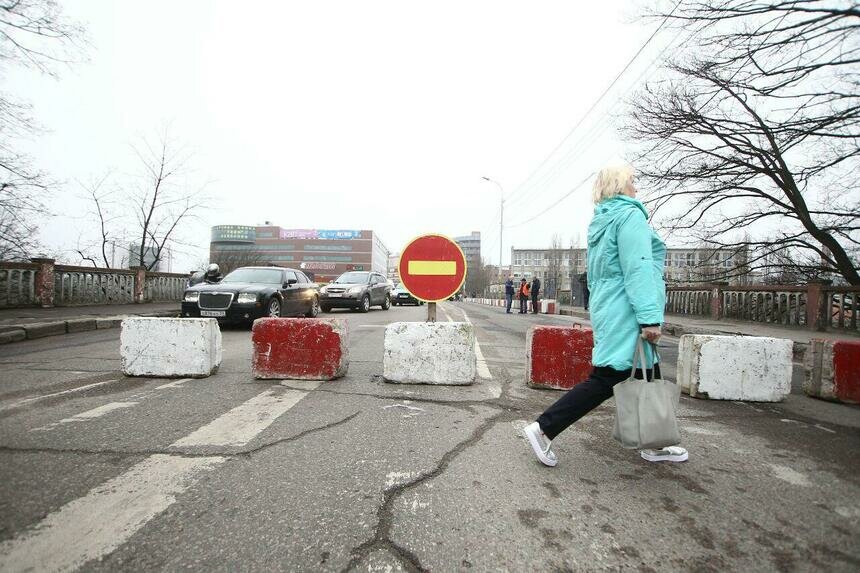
{"x": 756, "y": 131}
{"x": 34, "y": 34}
{"x": 230, "y": 260}
{"x": 161, "y": 199}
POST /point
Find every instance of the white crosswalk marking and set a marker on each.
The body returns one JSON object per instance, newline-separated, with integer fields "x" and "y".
{"x": 93, "y": 526}
{"x": 242, "y": 423}
{"x": 96, "y": 524}
{"x": 89, "y": 414}
{"x": 26, "y": 401}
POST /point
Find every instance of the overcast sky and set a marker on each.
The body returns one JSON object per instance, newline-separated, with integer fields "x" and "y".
{"x": 348, "y": 115}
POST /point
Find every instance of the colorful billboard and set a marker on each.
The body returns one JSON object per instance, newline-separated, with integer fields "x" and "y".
{"x": 319, "y": 234}
{"x": 234, "y": 233}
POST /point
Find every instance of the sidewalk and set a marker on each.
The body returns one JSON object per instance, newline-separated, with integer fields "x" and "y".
{"x": 17, "y": 324}
{"x": 676, "y": 325}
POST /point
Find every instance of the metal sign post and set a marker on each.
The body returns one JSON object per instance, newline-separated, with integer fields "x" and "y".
{"x": 431, "y": 312}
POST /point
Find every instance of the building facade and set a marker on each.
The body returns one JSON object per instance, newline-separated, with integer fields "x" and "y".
{"x": 394, "y": 268}
{"x": 681, "y": 266}
{"x": 471, "y": 246}
{"x": 322, "y": 253}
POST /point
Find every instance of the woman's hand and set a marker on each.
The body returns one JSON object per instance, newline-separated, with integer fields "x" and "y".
{"x": 652, "y": 333}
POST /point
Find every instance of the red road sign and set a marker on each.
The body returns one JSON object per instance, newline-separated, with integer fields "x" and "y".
{"x": 432, "y": 268}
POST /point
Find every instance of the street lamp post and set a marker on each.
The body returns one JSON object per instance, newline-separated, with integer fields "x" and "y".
{"x": 501, "y": 219}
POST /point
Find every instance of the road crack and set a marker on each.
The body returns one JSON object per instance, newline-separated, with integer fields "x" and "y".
{"x": 241, "y": 454}
{"x": 385, "y": 515}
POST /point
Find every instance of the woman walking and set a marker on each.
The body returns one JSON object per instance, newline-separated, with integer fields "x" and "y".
{"x": 627, "y": 298}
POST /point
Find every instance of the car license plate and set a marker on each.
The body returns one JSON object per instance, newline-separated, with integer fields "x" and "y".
{"x": 403, "y": 295}
{"x": 335, "y": 295}
{"x": 213, "y": 313}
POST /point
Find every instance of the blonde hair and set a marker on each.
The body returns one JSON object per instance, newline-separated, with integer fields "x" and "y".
{"x": 611, "y": 181}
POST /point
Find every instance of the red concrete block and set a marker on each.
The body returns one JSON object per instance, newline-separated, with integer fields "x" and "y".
{"x": 833, "y": 370}
{"x": 558, "y": 357}
{"x": 300, "y": 348}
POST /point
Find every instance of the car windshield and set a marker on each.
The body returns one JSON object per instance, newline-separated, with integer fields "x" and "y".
{"x": 352, "y": 278}
{"x": 257, "y": 276}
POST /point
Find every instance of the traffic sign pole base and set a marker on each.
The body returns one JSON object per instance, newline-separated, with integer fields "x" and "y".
{"x": 431, "y": 312}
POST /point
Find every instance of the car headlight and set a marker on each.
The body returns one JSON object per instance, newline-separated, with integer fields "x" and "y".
{"x": 323, "y": 290}
{"x": 191, "y": 296}
{"x": 246, "y": 297}
{"x": 355, "y": 290}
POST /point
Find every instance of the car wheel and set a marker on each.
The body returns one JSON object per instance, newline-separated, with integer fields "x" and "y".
{"x": 386, "y": 304}
{"x": 315, "y": 308}
{"x": 274, "y": 308}
{"x": 365, "y": 303}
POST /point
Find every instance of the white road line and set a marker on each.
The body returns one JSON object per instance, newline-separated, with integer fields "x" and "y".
{"x": 95, "y": 525}
{"x": 46, "y": 396}
{"x": 88, "y": 415}
{"x": 483, "y": 369}
{"x": 239, "y": 426}
{"x": 174, "y": 384}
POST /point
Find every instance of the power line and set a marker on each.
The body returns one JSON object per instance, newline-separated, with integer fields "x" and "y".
{"x": 602, "y": 95}
{"x": 565, "y": 196}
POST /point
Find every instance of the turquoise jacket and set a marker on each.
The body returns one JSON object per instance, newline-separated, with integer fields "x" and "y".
{"x": 625, "y": 277}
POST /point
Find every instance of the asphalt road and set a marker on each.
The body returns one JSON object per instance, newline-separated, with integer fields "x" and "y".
{"x": 105, "y": 473}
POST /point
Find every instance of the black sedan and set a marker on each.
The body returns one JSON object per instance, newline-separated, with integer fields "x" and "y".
{"x": 253, "y": 292}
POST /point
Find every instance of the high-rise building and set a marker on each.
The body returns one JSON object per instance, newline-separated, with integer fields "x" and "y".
{"x": 322, "y": 253}
{"x": 471, "y": 246}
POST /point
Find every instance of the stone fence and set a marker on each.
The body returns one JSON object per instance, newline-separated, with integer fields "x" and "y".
{"x": 46, "y": 284}
{"x": 817, "y": 306}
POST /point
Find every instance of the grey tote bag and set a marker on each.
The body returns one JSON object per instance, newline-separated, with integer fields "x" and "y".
{"x": 645, "y": 410}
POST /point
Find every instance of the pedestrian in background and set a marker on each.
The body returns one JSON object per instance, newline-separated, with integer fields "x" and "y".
{"x": 524, "y": 296}
{"x": 509, "y": 294}
{"x": 535, "y": 290}
{"x": 625, "y": 266}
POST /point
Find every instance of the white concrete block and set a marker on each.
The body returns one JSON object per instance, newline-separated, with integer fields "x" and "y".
{"x": 429, "y": 353}
{"x": 170, "y": 347}
{"x": 754, "y": 369}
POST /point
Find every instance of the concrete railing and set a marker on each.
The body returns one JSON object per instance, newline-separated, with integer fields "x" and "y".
{"x": 46, "y": 284}
{"x": 18, "y": 284}
{"x": 817, "y": 306}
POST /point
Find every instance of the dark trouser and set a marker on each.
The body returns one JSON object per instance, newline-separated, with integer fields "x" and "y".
{"x": 582, "y": 399}
{"x": 534, "y": 303}
{"x": 509, "y": 300}
{"x": 524, "y": 304}
{"x": 585, "y": 297}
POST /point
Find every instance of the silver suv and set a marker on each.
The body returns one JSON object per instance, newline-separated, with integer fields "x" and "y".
{"x": 356, "y": 290}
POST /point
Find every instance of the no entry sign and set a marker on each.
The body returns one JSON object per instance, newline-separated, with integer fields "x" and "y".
{"x": 432, "y": 268}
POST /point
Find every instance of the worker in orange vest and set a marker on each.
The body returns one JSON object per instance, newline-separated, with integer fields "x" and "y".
{"x": 524, "y": 296}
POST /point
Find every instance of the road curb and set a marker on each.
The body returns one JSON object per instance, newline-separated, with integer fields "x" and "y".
{"x": 35, "y": 330}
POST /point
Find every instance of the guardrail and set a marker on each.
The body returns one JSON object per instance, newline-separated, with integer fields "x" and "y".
{"x": 46, "y": 284}
{"x": 17, "y": 284}
{"x": 818, "y": 306}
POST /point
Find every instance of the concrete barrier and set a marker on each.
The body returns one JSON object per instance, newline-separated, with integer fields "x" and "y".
{"x": 429, "y": 353}
{"x": 558, "y": 357}
{"x": 300, "y": 348}
{"x": 170, "y": 347}
{"x": 549, "y": 306}
{"x": 755, "y": 369}
{"x": 833, "y": 370}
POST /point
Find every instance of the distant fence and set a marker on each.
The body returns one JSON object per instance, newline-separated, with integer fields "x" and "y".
{"x": 44, "y": 283}
{"x": 818, "y": 306}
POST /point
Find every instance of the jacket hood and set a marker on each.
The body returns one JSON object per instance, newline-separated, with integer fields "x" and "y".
{"x": 608, "y": 212}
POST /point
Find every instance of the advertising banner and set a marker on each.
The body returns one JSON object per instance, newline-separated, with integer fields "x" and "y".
{"x": 319, "y": 234}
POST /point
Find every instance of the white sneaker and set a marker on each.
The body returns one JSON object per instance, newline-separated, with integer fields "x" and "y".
{"x": 670, "y": 454}
{"x": 540, "y": 444}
